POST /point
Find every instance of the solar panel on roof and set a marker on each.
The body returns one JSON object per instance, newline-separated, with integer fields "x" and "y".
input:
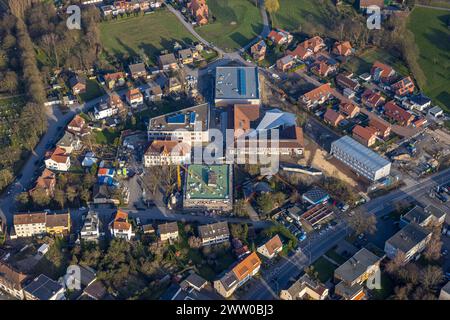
{"x": 192, "y": 117}
{"x": 242, "y": 82}
{"x": 176, "y": 119}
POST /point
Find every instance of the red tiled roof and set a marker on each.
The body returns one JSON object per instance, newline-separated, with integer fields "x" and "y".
{"x": 333, "y": 116}
{"x": 273, "y": 244}
{"x": 365, "y": 133}
{"x": 319, "y": 92}
{"x": 121, "y": 221}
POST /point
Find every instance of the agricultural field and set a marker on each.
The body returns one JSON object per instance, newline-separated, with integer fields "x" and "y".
{"x": 432, "y": 37}
{"x": 237, "y": 22}
{"x": 145, "y": 34}
{"x": 293, "y": 15}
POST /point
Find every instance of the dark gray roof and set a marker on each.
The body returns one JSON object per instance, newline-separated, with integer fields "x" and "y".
{"x": 217, "y": 229}
{"x": 315, "y": 195}
{"x": 67, "y": 139}
{"x": 43, "y": 288}
{"x": 166, "y": 122}
{"x": 168, "y": 227}
{"x": 137, "y": 68}
{"x": 438, "y": 213}
{"x": 408, "y": 237}
{"x": 357, "y": 265}
{"x": 347, "y": 291}
{"x": 166, "y": 59}
{"x": 237, "y": 83}
{"x": 77, "y": 79}
{"x": 196, "y": 281}
{"x": 416, "y": 214}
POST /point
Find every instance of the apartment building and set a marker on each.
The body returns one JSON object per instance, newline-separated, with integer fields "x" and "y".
{"x": 214, "y": 233}
{"x": 305, "y": 288}
{"x": 167, "y": 152}
{"x": 190, "y": 125}
{"x": 12, "y": 281}
{"x": 29, "y": 224}
{"x": 168, "y": 231}
{"x": 90, "y": 229}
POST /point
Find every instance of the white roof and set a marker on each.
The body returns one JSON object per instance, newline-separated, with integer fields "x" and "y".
{"x": 276, "y": 118}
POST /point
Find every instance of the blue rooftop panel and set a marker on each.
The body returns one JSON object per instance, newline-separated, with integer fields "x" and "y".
{"x": 176, "y": 119}
{"x": 192, "y": 117}
{"x": 242, "y": 82}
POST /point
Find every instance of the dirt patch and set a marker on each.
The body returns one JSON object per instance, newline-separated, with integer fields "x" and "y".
{"x": 319, "y": 159}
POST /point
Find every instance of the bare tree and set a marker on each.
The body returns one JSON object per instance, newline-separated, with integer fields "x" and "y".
{"x": 431, "y": 276}
{"x": 394, "y": 265}
{"x": 362, "y": 222}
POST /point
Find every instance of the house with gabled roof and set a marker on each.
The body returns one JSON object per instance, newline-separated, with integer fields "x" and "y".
{"x": 258, "y": 50}
{"x": 332, "y": 117}
{"x": 57, "y": 159}
{"x": 403, "y": 87}
{"x": 138, "y": 70}
{"x": 280, "y": 37}
{"x": 47, "y": 182}
{"x": 120, "y": 227}
{"x": 12, "y": 281}
{"x": 364, "y": 135}
{"x": 199, "y": 9}
{"x": 168, "y": 231}
{"x": 316, "y": 96}
{"x": 343, "y": 48}
{"x": 214, "y": 233}
{"x": 372, "y": 99}
{"x": 349, "y": 110}
{"x": 383, "y": 128}
{"x": 167, "y": 152}
{"x": 238, "y": 275}
{"x": 382, "y": 72}
{"x": 308, "y": 48}
{"x": 305, "y": 288}
{"x": 398, "y": 114}
{"x": 285, "y": 63}
{"x": 271, "y": 248}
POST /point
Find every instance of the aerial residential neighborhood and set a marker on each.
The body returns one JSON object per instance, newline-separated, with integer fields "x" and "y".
{"x": 224, "y": 150}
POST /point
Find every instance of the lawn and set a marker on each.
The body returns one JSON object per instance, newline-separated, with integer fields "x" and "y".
{"x": 106, "y": 136}
{"x": 324, "y": 268}
{"x": 93, "y": 90}
{"x": 387, "y": 288}
{"x": 364, "y": 61}
{"x": 296, "y": 15}
{"x": 432, "y": 37}
{"x": 149, "y": 34}
{"x": 237, "y": 22}
{"x": 332, "y": 254}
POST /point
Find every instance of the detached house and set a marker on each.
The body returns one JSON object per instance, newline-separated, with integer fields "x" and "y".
{"x": 308, "y": 48}
{"x": 403, "y": 87}
{"x": 364, "y": 135}
{"x": 12, "y": 281}
{"x": 69, "y": 142}
{"x": 316, "y": 96}
{"x": 271, "y": 248}
{"x": 372, "y": 99}
{"x": 138, "y": 70}
{"x": 349, "y": 110}
{"x": 323, "y": 68}
{"x": 280, "y": 37}
{"x": 343, "y": 49}
{"x": 214, "y": 233}
{"x": 365, "y": 4}
{"x": 258, "y": 50}
{"x": 134, "y": 97}
{"x": 77, "y": 84}
{"x": 345, "y": 82}
{"x": 167, "y": 62}
{"x": 113, "y": 80}
{"x": 46, "y": 182}
{"x": 332, "y": 117}
{"x": 285, "y": 63}
{"x": 120, "y": 227}
{"x": 77, "y": 126}
{"x": 104, "y": 110}
{"x": 57, "y": 160}
{"x": 167, "y": 152}
{"x": 383, "y": 128}
{"x": 168, "y": 231}
{"x": 382, "y": 72}
{"x": 398, "y": 114}
{"x": 115, "y": 103}
{"x": 44, "y": 288}
{"x": 199, "y": 9}
{"x": 240, "y": 274}
{"x": 186, "y": 56}
{"x": 305, "y": 288}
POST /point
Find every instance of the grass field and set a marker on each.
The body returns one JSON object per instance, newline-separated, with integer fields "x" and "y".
{"x": 294, "y": 15}
{"x": 363, "y": 62}
{"x": 433, "y": 40}
{"x": 149, "y": 34}
{"x": 324, "y": 268}
{"x": 237, "y": 23}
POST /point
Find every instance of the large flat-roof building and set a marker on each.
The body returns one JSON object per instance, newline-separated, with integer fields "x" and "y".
{"x": 208, "y": 187}
{"x": 360, "y": 159}
{"x": 237, "y": 85}
{"x": 188, "y": 125}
